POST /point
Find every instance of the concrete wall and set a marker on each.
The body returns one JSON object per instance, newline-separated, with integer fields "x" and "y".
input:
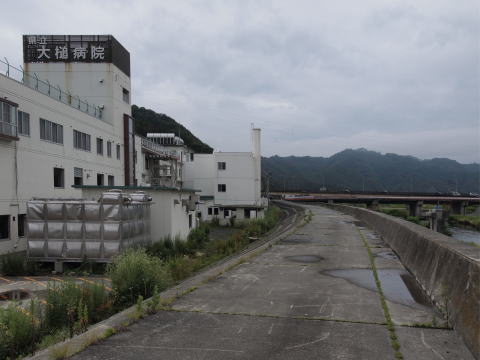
{"x": 448, "y": 270}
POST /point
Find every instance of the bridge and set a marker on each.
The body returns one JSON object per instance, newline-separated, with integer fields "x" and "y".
{"x": 413, "y": 201}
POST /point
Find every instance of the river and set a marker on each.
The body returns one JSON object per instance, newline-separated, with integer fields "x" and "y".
{"x": 466, "y": 235}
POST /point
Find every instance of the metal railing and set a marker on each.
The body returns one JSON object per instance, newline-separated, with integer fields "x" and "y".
{"x": 7, "y": 128}
{"x": 46, "y": 88}
{"x": 159, "y": 149}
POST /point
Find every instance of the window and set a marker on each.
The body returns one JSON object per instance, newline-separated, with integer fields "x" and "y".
{"x": 81, "y": 141}
{"x": 111, "y": 180}
{"x": 23, "y": 123}
{"x": 126, "y": 95}
{"x": 58, "y": 177}
{"x": 192, "y": 155}
{"x": 4, "y": 226}
{"x": 209, "y": 211}
{"x": 118, "y": 151}
{"x": 21, "y": 224}
{"x": 222, "y": 165}
{"x": 109, "y": 148}
{"x": 99, "y": 146}
{"x": 226, "y": 213}
{"x": 215, "y": 211}
{"x": 50, "y": 131}
{"x": 100, "y": 180}
{"x": 77, "y": 176}
{"x": 8, "y": 119}
{"x": 246, "y": 213}
{"x": 222, "y": 188}
{"x": 190, "y": 221}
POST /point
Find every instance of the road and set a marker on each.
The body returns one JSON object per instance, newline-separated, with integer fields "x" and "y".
{"x": 310, "y": 296}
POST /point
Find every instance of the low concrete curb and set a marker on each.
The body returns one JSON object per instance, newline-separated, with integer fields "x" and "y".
{"x": 448, "y": 270}
{"x": 100, "y": 330}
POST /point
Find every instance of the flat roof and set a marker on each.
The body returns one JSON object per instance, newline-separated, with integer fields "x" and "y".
{"x": 146, "y": 188}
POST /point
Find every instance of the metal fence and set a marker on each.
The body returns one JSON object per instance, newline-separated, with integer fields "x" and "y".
{"x": 51, "y": 90}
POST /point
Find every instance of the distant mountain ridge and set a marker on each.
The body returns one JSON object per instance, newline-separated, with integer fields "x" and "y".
{"x": 147, "y": 120}
{"x": 363, "y": 169}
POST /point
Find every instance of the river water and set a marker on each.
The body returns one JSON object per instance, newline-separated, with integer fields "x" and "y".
{"x": 465, "y": 235}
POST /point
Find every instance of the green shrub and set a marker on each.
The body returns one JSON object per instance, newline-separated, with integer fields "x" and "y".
{"x": 198, "y": 237}
{"x": 13, "y": 264}
{"x": 181, "y": 267}
{"x": 134, "y": 273}
{"x": 163, "y": 249}
{"x": 19, "y": 330}
{"x": 73, "y": 306}
{"x": 403, "y": 213}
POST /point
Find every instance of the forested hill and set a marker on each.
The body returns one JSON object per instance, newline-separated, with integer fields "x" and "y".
{"x": 358, "y": 169}
{"x": 147, "y": 120}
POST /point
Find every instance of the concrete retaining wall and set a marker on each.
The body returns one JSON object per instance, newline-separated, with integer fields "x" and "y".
{"x": 445, "y": 268}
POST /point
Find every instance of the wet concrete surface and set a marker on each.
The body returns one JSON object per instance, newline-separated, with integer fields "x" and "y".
{"x": 290, "y": 302}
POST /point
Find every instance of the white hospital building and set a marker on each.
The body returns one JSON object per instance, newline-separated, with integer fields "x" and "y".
{"x": 66, "y": 132}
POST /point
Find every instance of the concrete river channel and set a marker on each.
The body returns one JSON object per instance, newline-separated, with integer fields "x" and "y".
{"x": 312, "y": 295}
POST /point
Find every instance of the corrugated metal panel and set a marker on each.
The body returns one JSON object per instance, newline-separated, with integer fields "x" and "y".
{"x": 79, "y": 229}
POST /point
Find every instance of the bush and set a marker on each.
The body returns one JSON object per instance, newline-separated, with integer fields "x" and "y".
{"x": 13, "y": 264}
{"x": 74, "y": 306}
{"x": 198, "y": 237}
{"x": 19, "y": 330}
{"x": 135, "y": 273}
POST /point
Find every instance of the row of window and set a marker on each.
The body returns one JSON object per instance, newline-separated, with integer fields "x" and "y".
{"x": 59, "y": 178}
{"x": 53, "y": 132}
{"x": 5, "y": 225}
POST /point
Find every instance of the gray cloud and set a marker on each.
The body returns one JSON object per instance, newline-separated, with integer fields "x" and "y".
{"x": 397, "y": 76}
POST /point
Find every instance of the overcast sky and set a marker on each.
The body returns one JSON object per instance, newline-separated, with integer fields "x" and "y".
{"x": 316, "y": 76}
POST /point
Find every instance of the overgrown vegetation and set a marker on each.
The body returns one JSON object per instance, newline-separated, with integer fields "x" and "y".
{"x": 136, "y": 274}
{"x": 466, "y": 220}
{"x": 15, "y": 264}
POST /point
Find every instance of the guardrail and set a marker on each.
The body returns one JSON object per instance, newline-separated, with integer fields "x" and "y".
{"x": 46, "y": 88}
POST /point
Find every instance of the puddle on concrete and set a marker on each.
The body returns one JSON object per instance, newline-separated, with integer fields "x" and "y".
{"x": 386, "y": 255}
{"x": 305, "y": 258}
{"x": 398, "y": 285}
{"x": 18, "y": 294}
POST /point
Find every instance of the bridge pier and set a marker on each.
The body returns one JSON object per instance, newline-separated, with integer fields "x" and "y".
{"x": 415, "y": 208}
{"x": 373, "y": 205}
{"x": 458, "y": 207}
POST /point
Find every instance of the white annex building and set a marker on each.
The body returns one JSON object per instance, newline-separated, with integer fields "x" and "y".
{"x": 229, "y": 183}
{"x": 66, "y": 131}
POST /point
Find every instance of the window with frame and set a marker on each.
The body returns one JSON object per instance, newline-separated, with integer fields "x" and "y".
{"x": 111, "y": 180}
{"x": 222, "y": 165}
{"x": 8, "y": 119}
{"x": 81, "y": 140}
{"x": 109, "y": 148}
{"x": 100, "y": 180}
{"x": 21, "y": 224}
{"x": 23, "y": 124}
{"x": 222, "y": 187}
{"x": 99, "y": 146}
{"x": 215, "y": 211}
{"x": 58, "y": 178}
{"x": 118, "y": 152}
{"x": 209, "y": 211}
{"x": 50, "y": 131}
{"x": 77, "y": 176}
{"x": 4, "y": 226}
{"x": 126, "y": 95}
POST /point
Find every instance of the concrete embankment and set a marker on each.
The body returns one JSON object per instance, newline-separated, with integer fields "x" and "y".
{"x": 448, "y": 271}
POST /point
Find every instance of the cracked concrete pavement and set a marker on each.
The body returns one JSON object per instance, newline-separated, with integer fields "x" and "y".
{"x": 310, "y": 296}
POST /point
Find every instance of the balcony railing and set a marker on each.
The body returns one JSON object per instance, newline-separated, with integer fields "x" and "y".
{"x": 158, "y": 149}
{"x": 8, "y": 129}
{"x": 51, "y": 90}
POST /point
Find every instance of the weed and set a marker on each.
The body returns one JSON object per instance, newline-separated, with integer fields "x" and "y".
{"x": 109, "y": 332}
{"x": 139, "y": 311}
{"x": 60, "y": 352}
{"x": 13, "y": 264}
{"x": 135, "y": 273}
